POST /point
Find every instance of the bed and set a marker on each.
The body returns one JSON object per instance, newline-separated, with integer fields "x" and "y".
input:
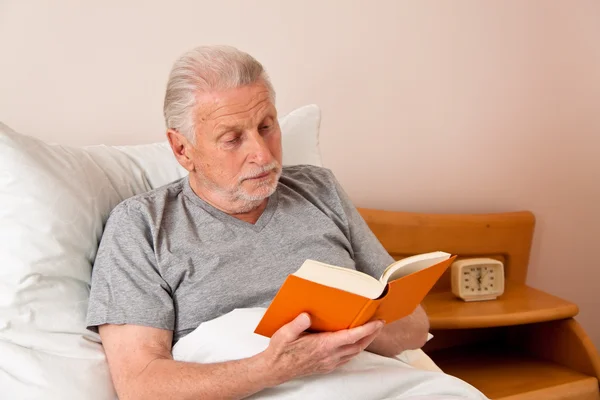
{"x": 54, "y": 200}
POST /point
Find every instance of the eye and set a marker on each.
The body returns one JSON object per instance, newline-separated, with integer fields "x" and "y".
{"x": 231, "y": 139}
{"x": 266, "y": 124}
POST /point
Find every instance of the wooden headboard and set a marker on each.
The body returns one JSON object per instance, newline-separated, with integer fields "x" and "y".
{"x": 503, "y": 236}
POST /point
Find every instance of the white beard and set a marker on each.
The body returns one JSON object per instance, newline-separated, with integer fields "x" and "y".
{"x": 240, "y": 200}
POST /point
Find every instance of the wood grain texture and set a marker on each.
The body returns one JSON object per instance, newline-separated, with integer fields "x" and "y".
{"x": 583, "y": 390}
{"x": 505, "y": 236}
{"x": 564, "y": 342}
{"x": 501, "y": 372}
{"x": 519, "y": 304}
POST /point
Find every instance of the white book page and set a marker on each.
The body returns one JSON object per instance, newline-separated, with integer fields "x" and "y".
{"x": 341, "y": 278}
{"x": 412, "y": 264}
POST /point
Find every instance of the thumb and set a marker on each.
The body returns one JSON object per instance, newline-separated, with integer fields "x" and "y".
{"x": 292, "y": 330}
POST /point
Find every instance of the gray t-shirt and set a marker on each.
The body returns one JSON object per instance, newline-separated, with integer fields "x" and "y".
{"x": 169, "y": 260}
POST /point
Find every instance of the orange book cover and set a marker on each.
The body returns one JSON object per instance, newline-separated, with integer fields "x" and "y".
{"x": 332, "y": 309}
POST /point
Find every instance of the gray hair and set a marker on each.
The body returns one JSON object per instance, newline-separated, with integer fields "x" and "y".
{"x": 203, "y": 69}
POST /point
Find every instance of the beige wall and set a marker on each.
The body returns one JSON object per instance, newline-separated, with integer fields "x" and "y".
{"x": 446, "y": 106}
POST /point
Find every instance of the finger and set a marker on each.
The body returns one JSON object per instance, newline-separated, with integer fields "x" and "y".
{"x": 353, "y": 335}
{"x": 292, "y": 330}
{"x": 370, "y": 328}
{"x": 355, "y": 348}
{"x": 366, "y": 341}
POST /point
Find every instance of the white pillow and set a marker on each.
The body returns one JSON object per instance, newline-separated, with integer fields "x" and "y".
{"x": 54, "y": 201}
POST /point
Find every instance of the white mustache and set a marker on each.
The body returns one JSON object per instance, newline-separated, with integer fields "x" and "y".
{"x": 274, "y": 166}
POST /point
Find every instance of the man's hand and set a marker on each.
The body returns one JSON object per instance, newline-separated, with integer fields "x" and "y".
{"x": 142, "y": 366}
{"x": 292, "y": 353}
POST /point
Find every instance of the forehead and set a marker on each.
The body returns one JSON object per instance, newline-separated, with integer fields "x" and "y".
{"x": 243, "y": 105}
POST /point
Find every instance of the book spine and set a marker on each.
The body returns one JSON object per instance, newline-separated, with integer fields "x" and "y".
{"x": 365, "y": 314}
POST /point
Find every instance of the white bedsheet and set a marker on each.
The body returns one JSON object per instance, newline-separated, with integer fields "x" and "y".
{"x": 367, "y": 376}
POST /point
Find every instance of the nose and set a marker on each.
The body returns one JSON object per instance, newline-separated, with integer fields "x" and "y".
{"x": 259, "y": 150}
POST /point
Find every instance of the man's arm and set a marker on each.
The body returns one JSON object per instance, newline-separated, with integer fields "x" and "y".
{"x": 408, "y": 333}
{"x": 372, "y": 258}
{"x": 142, "y": 366}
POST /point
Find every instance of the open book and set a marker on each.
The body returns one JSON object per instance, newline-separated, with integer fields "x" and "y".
{"x": 340, "y": 298}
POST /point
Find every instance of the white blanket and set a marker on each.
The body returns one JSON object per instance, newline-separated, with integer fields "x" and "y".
{"x": 367, "y": 376}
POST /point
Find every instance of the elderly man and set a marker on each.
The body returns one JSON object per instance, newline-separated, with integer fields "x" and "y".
{"x": 226, "y": 237}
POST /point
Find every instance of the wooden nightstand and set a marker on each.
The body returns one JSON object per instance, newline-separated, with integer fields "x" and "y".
{"x": 524, "y": 345}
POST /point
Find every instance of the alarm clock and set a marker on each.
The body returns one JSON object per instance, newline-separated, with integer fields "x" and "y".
{"x": 477, "y": 279}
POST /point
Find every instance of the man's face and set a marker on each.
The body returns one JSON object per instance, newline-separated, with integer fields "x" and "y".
{"x": 237, "y": 154}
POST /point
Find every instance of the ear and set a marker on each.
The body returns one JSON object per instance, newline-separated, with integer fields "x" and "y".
{"x": 182, "y": 149}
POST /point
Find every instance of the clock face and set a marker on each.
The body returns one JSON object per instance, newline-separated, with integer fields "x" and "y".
{"x": 480, "y": 280}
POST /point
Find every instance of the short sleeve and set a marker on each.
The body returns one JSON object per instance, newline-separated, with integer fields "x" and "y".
{"x": 126, "y": 286}
{"x": 370, "y": 256}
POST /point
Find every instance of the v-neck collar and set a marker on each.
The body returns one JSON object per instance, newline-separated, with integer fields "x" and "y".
{"x": 262, "y": 221}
